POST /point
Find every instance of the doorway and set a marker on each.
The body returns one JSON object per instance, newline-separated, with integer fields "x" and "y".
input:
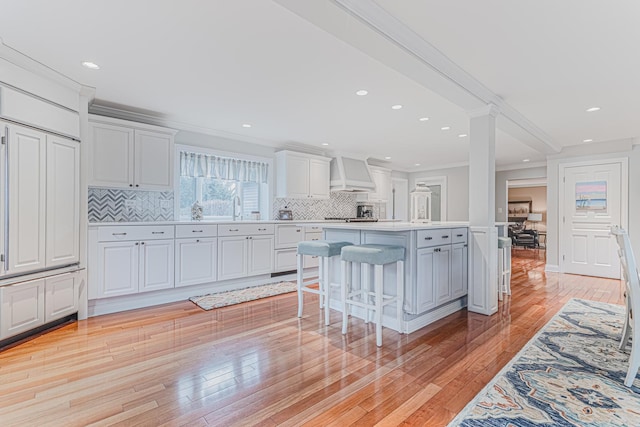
{"x": 438, "y": 187}
{"x": 527, "y": 213}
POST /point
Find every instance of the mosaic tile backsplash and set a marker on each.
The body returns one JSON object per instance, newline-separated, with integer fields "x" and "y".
{"x": 115, "y": 205}
{"x": 339, "y": 205}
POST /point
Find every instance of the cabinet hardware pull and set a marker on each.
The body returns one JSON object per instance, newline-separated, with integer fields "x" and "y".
{"x": 264, "y": 229}
{"x": 142, "y": 243}
{"x": 118, "y": 234}
{"x": 459, "y": 235}
{"x": 130, "y": 185}
{"x": 233, "y": 229}
{"x": 315, "y": 228}
{"x": 314, "y": 239}
{"x": 298, "y": 230}
{"x": 137, "y": 243}
{"x": 465, "y": 246}
{"x": 428, "y": 238}
{"x": 445, "y": 237}
{"x": 436, "y": 250}
{"x": 137, "y": 185}
{"x": 198, "y": 241}
{"x": 157, "y": 232}
{"x": 197, "y": 231}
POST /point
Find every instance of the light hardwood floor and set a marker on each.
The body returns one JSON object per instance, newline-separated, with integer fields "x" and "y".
{"x": 257, "y": 363}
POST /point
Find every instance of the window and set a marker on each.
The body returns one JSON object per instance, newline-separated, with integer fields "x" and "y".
{"x": 219, "y": 182}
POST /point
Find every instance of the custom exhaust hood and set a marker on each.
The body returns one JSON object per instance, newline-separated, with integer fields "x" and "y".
{"x": 350, "y": 174}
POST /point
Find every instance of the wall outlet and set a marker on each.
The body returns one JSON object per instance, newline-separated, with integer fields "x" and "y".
{"x": 130, "y": 203}
{"x": 165, "y": 204}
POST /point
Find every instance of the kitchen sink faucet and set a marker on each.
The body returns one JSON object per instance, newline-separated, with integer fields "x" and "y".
{"x": 237, "y": 212}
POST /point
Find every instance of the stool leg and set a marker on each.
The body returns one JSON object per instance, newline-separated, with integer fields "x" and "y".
{"x": 365, "y": 280}
{"x": 344, "y": 288}
{"x": 400, "y": 295}
{"x": 320, "y": 280}
{"x": 378, "y": 285}
{"x": 299, "y": 283}
{"x": 327, "y": 288}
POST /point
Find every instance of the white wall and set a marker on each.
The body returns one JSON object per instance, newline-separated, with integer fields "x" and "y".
{"x": 223, "y": 144}
{"x": 457, "y": 190}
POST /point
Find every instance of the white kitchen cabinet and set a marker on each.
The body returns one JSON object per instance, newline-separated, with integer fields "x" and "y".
{"x": 61, "y": 296}
{"x": 21, "y": 307}
{"x": 130, "y": 155}
{"x": 156, "y": 265}
{"x": 312, "y": 233}
{"x": 382, "y": 179}
{"x": 442, "y": 273}
{"x": 301, "y": 176}
{"x": 287, "y": 237}
{"x": 26, "y": 150}
{"x": 242, "y": 256}
{"x": 459, "y": 270}
{"x": 196, "y": 261}
{"x": 118, "y": 264}
{"x": 63, "y": 202}
{"x": 426, "y": 288}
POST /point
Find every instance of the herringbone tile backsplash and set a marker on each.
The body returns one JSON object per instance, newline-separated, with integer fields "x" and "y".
{"x": 339, "y": 205}
{"x": 110, "y": 205}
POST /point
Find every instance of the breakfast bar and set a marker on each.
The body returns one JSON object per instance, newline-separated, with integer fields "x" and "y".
{"x": 435, "y": 272}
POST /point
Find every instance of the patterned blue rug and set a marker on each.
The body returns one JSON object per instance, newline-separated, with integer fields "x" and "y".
{"x": 570, "y": 374}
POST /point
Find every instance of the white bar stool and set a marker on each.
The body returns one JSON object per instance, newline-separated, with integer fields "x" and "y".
{"x": 365, "y": 297}
{"x": 504, "y": 266}
{"x": 325, "y": 251}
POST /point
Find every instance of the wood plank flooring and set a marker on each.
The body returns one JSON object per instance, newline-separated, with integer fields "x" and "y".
{"x": 258, "y": 364}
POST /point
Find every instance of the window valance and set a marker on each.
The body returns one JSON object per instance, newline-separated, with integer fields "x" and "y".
{"x": 199, "y": 165}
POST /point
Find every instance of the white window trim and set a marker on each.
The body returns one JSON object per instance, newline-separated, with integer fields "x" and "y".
{"x": 266, "y": 203}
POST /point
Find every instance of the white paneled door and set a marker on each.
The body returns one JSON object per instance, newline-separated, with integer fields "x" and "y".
{"x": 592, "y": 201}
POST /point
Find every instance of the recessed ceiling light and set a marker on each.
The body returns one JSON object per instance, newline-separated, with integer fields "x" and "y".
{"x": 246, "y": 125}
{"x": 462, "y": 135}
{"x": 423, "y": 119}
{"x": 417, "y": 164}
{"x": 592, "y": 109}
{"x": 445, "y": 128}
{"x": 526, "y": 160}
{"x": 387, "y": 158}
{"x": 362, "y": 92}
{"x": 396, "y": 107}
{"x": 91, "y": 65}
{"x": 587, "y": 140}
{"x": 325, "y": 143}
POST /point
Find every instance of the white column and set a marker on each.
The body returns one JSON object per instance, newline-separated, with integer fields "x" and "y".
{"x": 483, "y": 235}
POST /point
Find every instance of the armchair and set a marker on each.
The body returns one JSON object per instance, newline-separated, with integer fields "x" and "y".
{"x": 525, "y": 238}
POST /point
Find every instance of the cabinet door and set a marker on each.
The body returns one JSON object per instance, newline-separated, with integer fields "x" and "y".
{"x": 425, "y": 291}
{"x": 27, "y": 198}
{"x": 442, "y": 272}
{"x": 61, "y": 296}
{"x": 318, "y": 179}
{"x": 22, "y": 307}
{"x": 110, "y": 156}
{"x": 382, "y": 179}
{"x": 260, "y": 255}
{"x": 196, "y": 261}
{"x": 288, "y": 236}
{"x": 156, "y": 265}
{"x": 153, "y": 160}
{"x": 117, "y": 268}
{"x": 459, "y": 270}
{"x": 232, "y": 257}
{"x": 296, "y": 177}
{"x": 63, "y": 199}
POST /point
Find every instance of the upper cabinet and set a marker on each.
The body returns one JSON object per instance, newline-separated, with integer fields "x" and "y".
{"x": 130, "y": 155}
{"x": 382, "y": 179}
{"x": 302, "y": 176}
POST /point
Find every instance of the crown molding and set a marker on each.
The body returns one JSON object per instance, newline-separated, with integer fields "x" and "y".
{"x": 516, "y": 166}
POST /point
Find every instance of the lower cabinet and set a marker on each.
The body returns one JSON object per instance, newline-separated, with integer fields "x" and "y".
{"x": 459, "y": 270}
{"x": 242, "y": 256}
{"x": 196, "y": 261}
{"x": 25, "y": 306}
{"x": 134, "y": 266}
{"x": 434, "y": 277}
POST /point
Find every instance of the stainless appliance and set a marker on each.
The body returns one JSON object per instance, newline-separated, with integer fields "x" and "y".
{"x": 285, "y": 214}
{"x": 364, "y": 211}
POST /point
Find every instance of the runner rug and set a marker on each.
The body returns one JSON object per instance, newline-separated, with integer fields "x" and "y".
{"x": 570, "y": 374}
{"x": 223, "y": 299}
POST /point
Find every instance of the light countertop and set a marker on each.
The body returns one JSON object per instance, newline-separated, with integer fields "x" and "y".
{"x": 393, "y": 226}
{"x": 226, "y": 222}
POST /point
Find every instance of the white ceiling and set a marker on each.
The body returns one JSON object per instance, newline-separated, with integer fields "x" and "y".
{"x": 214, "y": 65}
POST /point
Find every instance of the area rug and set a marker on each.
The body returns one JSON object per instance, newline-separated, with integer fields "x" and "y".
{"x": 223, "y": 299}
{"x": 570, "y": 374}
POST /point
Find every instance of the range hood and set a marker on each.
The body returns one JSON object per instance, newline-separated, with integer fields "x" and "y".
{"x": 351, "y": 174}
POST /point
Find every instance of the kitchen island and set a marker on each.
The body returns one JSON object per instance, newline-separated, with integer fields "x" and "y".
{"x": 436, "y": 266}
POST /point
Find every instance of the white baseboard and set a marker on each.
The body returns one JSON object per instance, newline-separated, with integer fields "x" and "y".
{"x": 552, "y": 268}
{"x": 437, "y": 314}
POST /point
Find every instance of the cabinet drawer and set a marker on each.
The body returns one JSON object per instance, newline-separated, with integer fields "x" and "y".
{"x": 135, "y": 232}
{"x": 196, "y": 230}
{"x": 286, "y": 259}
{"x": 436, "y": 237}
{"x": 244, "y": 229}
{"x": 313, "y": 236}
{"x": 288, "y": 236}
{"x": 459, "y": 235}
